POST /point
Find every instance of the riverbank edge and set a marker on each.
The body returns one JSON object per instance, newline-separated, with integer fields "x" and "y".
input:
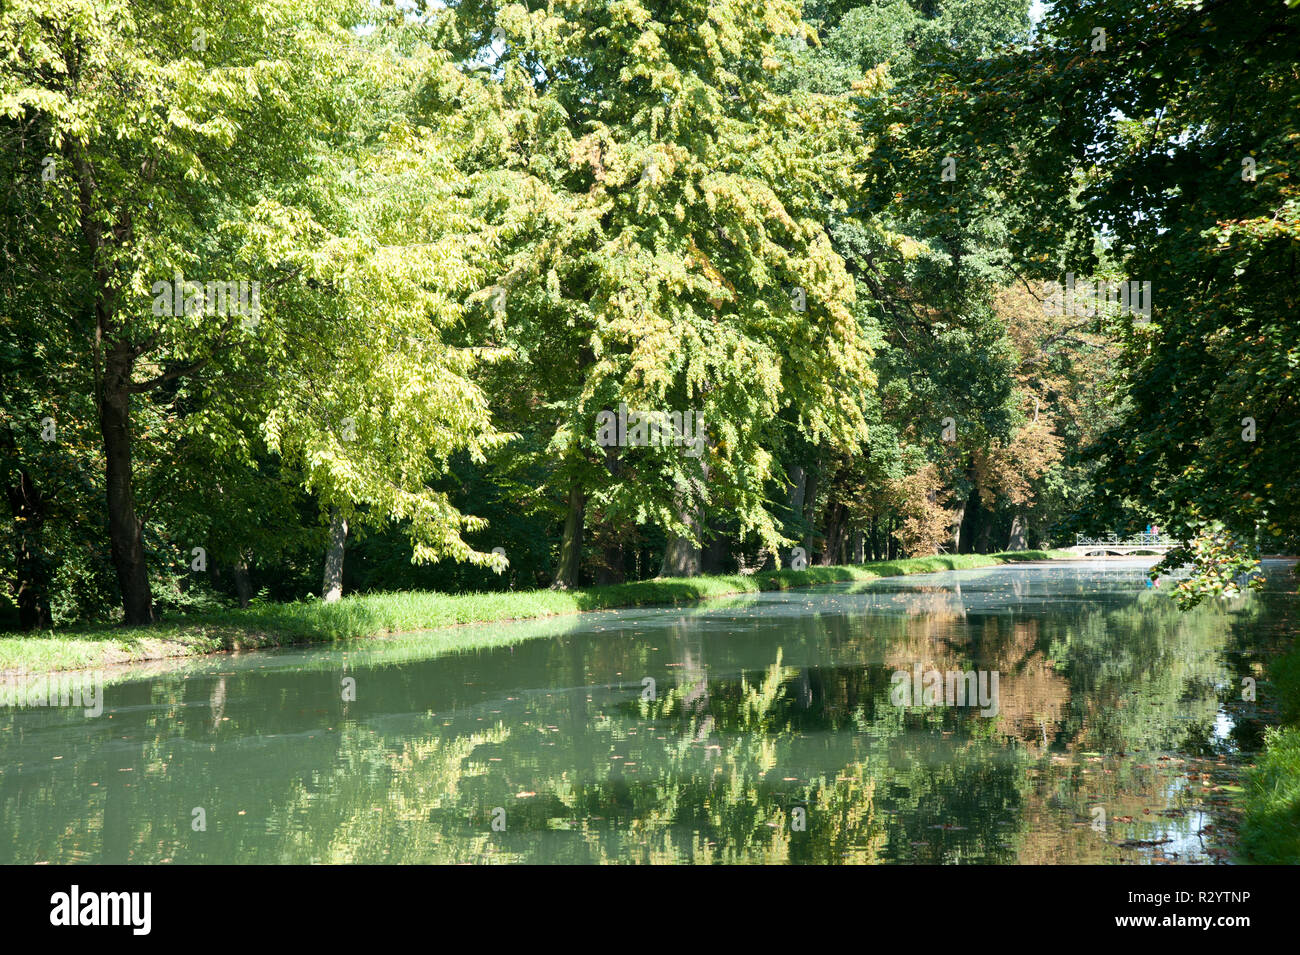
{"x": 1270, "y": 828}
{"x": 384, "y": 614}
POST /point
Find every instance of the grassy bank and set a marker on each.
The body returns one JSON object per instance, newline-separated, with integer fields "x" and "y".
{"x": 1270, "y": 832}
{"x": 1270, "y": 829}
{"x": 367, "y": 615}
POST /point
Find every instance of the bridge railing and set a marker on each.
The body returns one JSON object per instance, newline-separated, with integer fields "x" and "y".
{"x": 1137, "y": 540}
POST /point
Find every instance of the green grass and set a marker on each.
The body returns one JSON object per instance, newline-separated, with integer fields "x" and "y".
{"x": 376, "y": 614}
{"x": 1270, "y": 828}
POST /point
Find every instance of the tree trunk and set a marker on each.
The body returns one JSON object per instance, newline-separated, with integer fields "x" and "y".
{"x": 1017, "y": 539}
{"x": 126, "y": 532}
{"x": 32, "y": 578}
{"x": 836, "y": 522}
{"x": 810, "y": 512}
{"x": 332, "y": 584}
{"x": 568, "y": 571}
{"x": 986, "y": 528}
{"x": 714, "y": 557}
{"x": 611, "y": 570}
{"x": 681, "y": 556}
{"x": 956, "y": 528}
{"x": 859, "y": 546}
{"x": 796, "y": 490}
{"x": 243, "y": 587}
{"x": 793, "y": 526}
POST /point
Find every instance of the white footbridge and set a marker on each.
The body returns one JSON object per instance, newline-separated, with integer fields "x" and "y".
{"x": 1115, "y": 547}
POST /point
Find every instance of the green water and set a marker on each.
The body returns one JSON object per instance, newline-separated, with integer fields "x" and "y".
{"x": 768, "y": 735}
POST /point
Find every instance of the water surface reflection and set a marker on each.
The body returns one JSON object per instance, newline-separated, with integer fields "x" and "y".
{"x": 770, "y": 736}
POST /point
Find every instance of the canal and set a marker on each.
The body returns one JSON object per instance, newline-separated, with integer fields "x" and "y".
{"x": 812, "y": 726}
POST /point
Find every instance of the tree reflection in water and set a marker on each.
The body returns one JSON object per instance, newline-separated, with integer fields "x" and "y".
{"x": 763, "y": 707}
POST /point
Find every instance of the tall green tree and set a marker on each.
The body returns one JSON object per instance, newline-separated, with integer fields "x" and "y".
{"x": 179, "y": 149}
{"x": 678, "y": 261}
